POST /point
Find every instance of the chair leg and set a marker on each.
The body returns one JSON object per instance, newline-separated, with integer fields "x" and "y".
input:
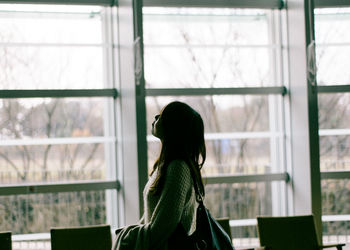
{"x": 339, "y": 247}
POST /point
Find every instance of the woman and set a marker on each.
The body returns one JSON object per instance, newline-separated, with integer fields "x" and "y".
{"x": 169, "y": 195}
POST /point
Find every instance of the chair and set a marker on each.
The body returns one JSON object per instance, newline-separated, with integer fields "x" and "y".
{"x": 5, "y": 241}
{"x": 225, "y": 224}
{"x": 290, "y": 233}
{"x": 81, "y": 238}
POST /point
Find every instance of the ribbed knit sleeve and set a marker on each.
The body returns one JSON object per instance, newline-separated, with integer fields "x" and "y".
{"x": 170, "y": 206}
{"x": 163, "y": 212}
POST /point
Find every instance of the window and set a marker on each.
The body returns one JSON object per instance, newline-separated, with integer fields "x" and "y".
{"x": 72, "y": 116}
{"x": 333, "y": 48}
{"x": 225, "y": 63}
{"x": 58, "y": 120}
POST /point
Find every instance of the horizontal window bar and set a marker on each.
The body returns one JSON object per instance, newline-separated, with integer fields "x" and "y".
{"x": 78, "y": 2}
{"x": 211, "y": 46}
{"x": 58, "y": 93}
{"x": 246, "y": 178}
{"x": 243, "y": 223}
{"x": 332, "y": 44}
{"x": 266, "y": 4}
{"x": 217, "y": 91}
{"x": 241, "y": 135}
{"x": 31, "y": 237}
{"x": 57, "y": 141}
{"x": 253, "y": 222}
{"x": 331, "y": 3}
{"x": 338, "y": 217}
{"x": 55, "y": 45}
{"x": 58, "y": 187}
{"x": 333, "y": 89}
{"x": 17, "y": 13}
{"x": 333, "y": 132}
{"x": 234, "y": 135}
{"x": 335, "y": 175}
{"x": 169, "y": 14}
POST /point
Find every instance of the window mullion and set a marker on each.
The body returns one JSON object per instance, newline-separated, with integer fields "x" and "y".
{"x": 57, "y": 93}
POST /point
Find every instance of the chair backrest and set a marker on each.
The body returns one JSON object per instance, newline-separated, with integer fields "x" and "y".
{"x": 82, "y": 238}
{"x": 288, "y": 233}
{"x": 5, "y": 241}
{"x": 225, "y": 224}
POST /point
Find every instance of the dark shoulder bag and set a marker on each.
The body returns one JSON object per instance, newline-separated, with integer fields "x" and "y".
{"x": 209, "y": 235}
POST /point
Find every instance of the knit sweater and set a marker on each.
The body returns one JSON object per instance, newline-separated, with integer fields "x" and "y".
{"x": 175, "y": 204}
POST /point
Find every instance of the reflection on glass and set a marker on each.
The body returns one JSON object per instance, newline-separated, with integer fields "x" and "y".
{"x": 51, "y": 163}
{"x": 23, "y": 214}
{"x": 192, "y": 47}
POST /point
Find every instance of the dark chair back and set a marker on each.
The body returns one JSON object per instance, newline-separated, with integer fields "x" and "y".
{"x": 288, "y": 233}
{"x": 82, "y": 238}
{"x": 225, "y": 224}
{"x": 5, "y": 241}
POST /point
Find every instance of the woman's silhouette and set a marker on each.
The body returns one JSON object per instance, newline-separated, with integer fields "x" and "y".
{"x": 169, "y": 195}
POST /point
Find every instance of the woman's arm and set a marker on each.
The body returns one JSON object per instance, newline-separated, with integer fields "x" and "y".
{"x": 169, "y": 208}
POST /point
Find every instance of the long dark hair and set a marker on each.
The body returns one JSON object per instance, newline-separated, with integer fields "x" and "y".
{"x": 182, "y": 139}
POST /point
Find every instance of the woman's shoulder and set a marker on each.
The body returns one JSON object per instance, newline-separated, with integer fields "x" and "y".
{"x": 178, "y": 167}
{"x": 178, "y": 163}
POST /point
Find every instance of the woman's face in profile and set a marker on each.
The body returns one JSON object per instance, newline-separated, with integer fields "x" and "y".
{"x": 157, "y": 127}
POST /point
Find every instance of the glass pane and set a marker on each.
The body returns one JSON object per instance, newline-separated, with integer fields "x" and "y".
{"x": 205, "y": 26}
{"x": 52, "y": 118}
{"x": 332, "y": 25}
{"x": 192, "y": 47}
{"x": 335, "y": 197}
{"x": 334, "y": 152}
{"x": 334, "y": 111}
{"x": 51, "y": 67}
{"x": 51, "y": 163}
{"x": 333, "y": 64}
{"x": 229, "y": 122}
{"x": 237, "y": 156}
{"x": 333, "y": 45}
{"x": 242, "y": 237}
{"x": 50, "y": 24}
{"x": 334, "y": 116}
{"x": 48, "y": 140}
{"x": 221, "y": 114}
{"x": 228, "y": 156}
{"x": 335, "y": 201}
{"x": 37, "y": 213}
{"x": 240, "y": 200}
{"x": 335, "y": 232}
{"x": 190, "y": 67}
